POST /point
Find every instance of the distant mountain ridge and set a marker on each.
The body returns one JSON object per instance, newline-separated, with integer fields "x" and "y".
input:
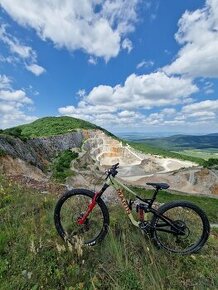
{"x": 181, "y": 142}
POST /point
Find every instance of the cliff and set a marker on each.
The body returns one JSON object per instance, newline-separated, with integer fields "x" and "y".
{"x": 39, "y": 151}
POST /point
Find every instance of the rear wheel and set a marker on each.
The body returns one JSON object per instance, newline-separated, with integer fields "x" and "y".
{"x": 187, "y": 231}
{"x": 71, "y": 206}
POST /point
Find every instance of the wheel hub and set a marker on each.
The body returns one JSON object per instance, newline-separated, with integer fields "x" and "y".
{"x": 183, "y": 230}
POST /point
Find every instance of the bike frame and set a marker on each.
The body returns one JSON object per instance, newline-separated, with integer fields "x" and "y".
{"x": 138, "y": 223}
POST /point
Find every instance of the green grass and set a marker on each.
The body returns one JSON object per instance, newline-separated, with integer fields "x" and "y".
{"x": 204, "y": 154}
{"x": 34, "y": 257}
{"x": 145, "y": 148}
{"x": 50, "y": 126}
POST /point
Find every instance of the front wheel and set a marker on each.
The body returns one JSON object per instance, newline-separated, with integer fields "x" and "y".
{"x": 70, "y": 207}
{"x": 180, "y": 227}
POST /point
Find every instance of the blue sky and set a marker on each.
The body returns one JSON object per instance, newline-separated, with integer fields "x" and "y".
{"x": 140, "y": 65}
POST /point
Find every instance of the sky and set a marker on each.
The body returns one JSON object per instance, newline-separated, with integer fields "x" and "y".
{"x": 128, "y": 66}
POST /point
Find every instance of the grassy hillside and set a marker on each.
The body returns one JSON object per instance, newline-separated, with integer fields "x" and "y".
{"x": 183, "y": 142}
{"x": 33, "y": 256}
{"x": 50, "y": 126}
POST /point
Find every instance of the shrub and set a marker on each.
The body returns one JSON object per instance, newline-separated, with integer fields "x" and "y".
{"x": 2, "y": 153}
{"x": 211, "y": 163}
{"x": 15, "y": 132}
{"x": 61, "y": 165}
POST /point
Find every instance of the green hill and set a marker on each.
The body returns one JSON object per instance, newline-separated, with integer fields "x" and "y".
{"x": 50, "y": 126}
{"x": 182, "y": 142}
{"x": 34, "y": 257}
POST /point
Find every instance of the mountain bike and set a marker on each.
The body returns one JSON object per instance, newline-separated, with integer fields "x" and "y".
{"x": 178, "y": 226}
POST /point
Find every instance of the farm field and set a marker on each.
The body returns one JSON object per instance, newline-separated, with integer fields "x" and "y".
{"x": 204, "y": 154}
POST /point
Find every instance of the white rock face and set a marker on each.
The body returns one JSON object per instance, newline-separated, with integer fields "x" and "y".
{"x": 133, "y": 164}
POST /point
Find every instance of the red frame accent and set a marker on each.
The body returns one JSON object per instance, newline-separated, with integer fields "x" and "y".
{"x": 141, "y": 214}
{"x": 82, "y": 219}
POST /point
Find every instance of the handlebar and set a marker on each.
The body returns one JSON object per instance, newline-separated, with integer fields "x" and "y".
{"x": 112, "y": 171}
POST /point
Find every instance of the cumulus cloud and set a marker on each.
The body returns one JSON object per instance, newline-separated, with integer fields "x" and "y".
{"x": 206, "y": 105}
{"x": 143, "y": 91}
{"x": 170, "y": 86}
{"x": 78, "y": 24}
{"x": 13, "y": 104}
{"x": 120, "y": 105}
{"x": 198, "y": 33}
{"x": 20, "y": 52}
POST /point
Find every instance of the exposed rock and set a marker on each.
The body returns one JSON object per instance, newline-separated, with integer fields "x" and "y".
{"x": 16, "y": 166}
{"x": 22, "y": 150}
{"x": 39, "y": 151}
{"x": 214, "y": 188}
{"x": 150, "y": 166}
{"x": 189, "y": 180}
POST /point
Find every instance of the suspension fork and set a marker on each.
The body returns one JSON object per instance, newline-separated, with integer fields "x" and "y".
{"x": 81, "y": 220}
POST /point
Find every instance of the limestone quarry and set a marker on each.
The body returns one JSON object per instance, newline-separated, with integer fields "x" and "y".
{"x": 97, "y": 152}
{"x": 137, "y": 168}
{"x": 133, "y": 164}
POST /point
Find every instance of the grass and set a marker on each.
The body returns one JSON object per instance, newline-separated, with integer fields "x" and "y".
{"x": 34, "y": 257}
{"x": 51, "y": 126}
{"x": 204, "y": 154}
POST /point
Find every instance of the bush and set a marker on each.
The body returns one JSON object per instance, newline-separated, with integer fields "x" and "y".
{"x": 211, "y": 163}
{"x": 15, "y": 132}
{"x": 61, "y": 165}
{"x": 2, "y": 153}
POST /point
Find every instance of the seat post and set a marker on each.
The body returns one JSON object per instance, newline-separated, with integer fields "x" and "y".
{"x": 154, "y": 196}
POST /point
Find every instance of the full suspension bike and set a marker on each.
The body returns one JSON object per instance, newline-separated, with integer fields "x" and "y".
{"x": 178, "y": 226}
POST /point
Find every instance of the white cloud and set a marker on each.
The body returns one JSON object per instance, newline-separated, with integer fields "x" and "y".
{"x": 15, "y": 96}
{"x": 145, "y": 63}
{"x": 35, "y": 69}
{"x": 119, "y": 105}
{"x": 198, "y": 33}
{"x": 20, "y": 52}
{"x": 81, "y": 93}
{"x": 127, "y": 44}
{"x": 92, "y": 60}
{"x": 95, "y": 26}
{"x": 206, "y": 105}
{"x": 13, "y": 104}
{"x": 5, "y": 82}
{"x": 143, "y": 91}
